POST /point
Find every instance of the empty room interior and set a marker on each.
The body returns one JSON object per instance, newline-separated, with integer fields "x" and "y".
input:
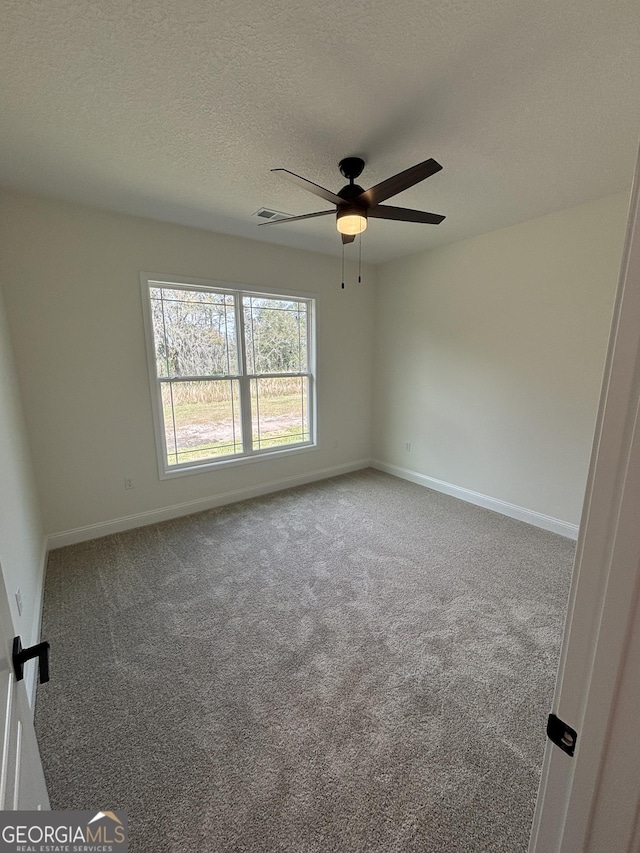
{"x": 295, "y": 505}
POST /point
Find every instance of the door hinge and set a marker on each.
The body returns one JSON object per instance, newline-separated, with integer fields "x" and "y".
{"x": 561, "y": 734}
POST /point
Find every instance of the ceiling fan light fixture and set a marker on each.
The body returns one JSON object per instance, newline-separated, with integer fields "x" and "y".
{"x": 351, "y": 220}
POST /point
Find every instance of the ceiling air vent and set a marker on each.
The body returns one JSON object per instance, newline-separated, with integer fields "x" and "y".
{"x": 268, "y": 213}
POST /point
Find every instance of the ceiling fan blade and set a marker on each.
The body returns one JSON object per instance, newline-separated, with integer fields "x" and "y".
{"x": 401, "y": 181}
{"x": 316, "y": 189}
{"x": 297, "y": 218}
{"x": 347, "y": 238}
{"x": 404, "y": 214}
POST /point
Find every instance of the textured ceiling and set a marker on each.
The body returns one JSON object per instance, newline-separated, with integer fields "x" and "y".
{"x": 178, "y": 109}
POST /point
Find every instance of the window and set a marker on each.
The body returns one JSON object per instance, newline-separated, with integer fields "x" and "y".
{"x": 231, "y": 372}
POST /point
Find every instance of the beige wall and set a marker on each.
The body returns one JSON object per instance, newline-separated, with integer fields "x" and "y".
{"x": 488, "y": 355}
{"x": 490, "y": 352}
{"x": 74, "y": 308}
{"x": 21, "y": 535}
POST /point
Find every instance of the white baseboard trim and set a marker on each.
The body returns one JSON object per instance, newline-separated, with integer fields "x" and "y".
{"x": 117, "y": 525}
{"x": 537, "y": 519}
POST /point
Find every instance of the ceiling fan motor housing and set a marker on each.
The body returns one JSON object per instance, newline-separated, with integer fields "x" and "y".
{"x": 351, "y": 192}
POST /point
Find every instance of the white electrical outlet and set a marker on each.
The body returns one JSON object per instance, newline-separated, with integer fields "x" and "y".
{"x": 19, "y": 601}
{"x": 128, "y": 482}
{"x": 407, "y": 446}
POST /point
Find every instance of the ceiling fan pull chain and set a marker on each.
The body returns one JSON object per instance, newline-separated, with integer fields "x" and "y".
{"x": 343, "y": 266}
{"x": 360, "y": 259}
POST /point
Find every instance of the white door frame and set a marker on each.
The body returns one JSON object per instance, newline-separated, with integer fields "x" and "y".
{"x": 597, "y": 678}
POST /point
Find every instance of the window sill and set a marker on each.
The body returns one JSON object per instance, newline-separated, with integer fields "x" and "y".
{"x": 209, "y": 466}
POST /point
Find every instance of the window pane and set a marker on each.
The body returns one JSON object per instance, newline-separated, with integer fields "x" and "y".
{"x": 202, "y": 420}
{"x": 194, "y": 333}
{"x": 275, "y": 335}
{"x": 279, "y": 411}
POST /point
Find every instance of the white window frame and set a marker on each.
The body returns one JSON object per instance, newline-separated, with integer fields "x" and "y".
{"x": 166, "y": 471}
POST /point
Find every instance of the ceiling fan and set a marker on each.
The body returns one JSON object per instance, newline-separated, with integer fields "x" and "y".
{"x": 355, "y": 205}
